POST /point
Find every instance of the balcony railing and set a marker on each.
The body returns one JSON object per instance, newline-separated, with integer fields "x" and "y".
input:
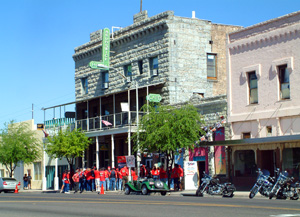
{"x": 106, "y": 122}
{"x": 59, "y": 122}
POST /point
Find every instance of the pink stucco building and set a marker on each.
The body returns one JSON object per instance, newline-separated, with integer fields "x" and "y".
{"x": 264, "y": 97}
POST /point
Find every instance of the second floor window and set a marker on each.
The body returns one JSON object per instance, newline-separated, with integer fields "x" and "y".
{"x": 211, "y": 66}
{"x": 253, "y": 93}
{"x": 84, "y": 84}
{"x": 284, "y": 82}
{"x": 128, "y": 72}
{"x": 105, "y": 79}
{"x": 154, "y": 66}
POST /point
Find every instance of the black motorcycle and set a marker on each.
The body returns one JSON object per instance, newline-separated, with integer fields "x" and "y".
{"x": 212, "y": 186}
{"x": 263, "y": 185}
{"x": 284, "y": 188}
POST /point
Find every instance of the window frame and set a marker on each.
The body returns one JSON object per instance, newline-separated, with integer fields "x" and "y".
{"x": 214, "y": 66}
{"x": 249, "y": 74}
{"x": 153, "y": 66}
{"x": 128, "y": 71}
{"x": 37, "y": 173}
{"x": 281, "y": 79}
{"x": 84, "y": 85}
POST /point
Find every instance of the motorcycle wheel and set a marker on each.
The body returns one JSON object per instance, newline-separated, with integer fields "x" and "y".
{"x": 229, "y": 194}
{"x": 253, "y": 192}
{"x": 198, "y": 193}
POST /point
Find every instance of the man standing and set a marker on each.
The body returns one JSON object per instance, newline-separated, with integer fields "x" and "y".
{"x": 29, "y": 181}
{"x": 25, "y": 180}
{"x": 97, "y": 179}
{"x": 176, "y": 176}
{"x": 107, "y": 175}
{"x": 113, "y": 177}
{"x": 102, "y": 178}
{"x": 124, "y": 173}
{"x": 75, "y": 179}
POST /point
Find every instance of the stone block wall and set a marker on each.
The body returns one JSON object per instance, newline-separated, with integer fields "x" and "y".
{"x": 218, "y": 36}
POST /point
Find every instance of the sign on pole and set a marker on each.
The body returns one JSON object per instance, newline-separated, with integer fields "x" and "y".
{"x": 104, "y": 64}
{"x": 153, "y": 97}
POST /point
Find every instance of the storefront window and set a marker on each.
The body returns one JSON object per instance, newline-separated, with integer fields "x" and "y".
{"x": 244, "y": 163}
{"x": 291, "y": 161}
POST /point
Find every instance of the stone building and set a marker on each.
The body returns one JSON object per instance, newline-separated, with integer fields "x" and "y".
{"x": 263, "y": 98}
{"x": 172, "y": 56}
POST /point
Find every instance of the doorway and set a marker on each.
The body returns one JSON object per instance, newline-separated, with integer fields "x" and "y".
{"x": 201, "y": 169}
{"x": 268, "y": 160}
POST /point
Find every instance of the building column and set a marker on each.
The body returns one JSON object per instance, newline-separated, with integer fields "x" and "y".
{"x": 97, "y": 152}
{"x": 112, "y": 150}
{"x": 56, "y": 180}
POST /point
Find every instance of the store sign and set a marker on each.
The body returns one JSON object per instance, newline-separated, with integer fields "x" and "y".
{"x": 104, "y": 64}
{"x": 190, "y": 175}
{"x": 154, "y": 98}
{"x": 40, "y": 126}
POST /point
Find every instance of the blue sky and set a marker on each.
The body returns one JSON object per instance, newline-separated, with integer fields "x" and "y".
{"x": 38, "y": 38}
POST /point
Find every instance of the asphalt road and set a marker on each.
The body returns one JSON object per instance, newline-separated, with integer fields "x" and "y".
{"x": 55, "y": 204}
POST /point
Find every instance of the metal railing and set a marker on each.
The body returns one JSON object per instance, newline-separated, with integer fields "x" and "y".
{"x": 106, "y": 122}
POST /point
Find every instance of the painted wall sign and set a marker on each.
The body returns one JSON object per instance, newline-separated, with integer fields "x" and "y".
{"x": 104, "y": 64}
{"x": 154, "y": 98}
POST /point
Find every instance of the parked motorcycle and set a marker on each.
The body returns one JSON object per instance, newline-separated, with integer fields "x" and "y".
{"x": 284, "y": 187}
{"x": 212, "y": 186}
{"x": 263, "y": 185}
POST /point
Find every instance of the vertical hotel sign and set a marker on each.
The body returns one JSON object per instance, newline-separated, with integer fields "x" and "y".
{"x": 104, "y": 64}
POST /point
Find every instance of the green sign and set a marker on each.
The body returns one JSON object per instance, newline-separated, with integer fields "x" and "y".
{"x": 97, "y": 65}
{"x": 104, "y": 64}
{"x": 154, "y": 97}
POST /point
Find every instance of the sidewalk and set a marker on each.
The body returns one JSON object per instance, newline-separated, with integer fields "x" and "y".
{"x": 172, "y": 193}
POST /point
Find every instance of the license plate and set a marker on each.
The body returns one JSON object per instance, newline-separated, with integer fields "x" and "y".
{"x": 151, "y": 183}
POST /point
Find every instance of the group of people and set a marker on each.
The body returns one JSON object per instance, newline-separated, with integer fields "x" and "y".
{"x": 92, "y": 179}
{"x": 112, "y": 179}
{"x": 27, "y": 181}
{"x": 159, "y": 173}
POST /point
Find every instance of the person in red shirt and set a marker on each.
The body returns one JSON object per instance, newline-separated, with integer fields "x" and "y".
{"x": 66, "y": 178}
{"x": 176, "y": 176}
{"x": 97, "y": 179}
{"x": 154, "y": 173}
{"x": 107, "y": 180}
{"x": 75, "y": 179}
{"x": 102, "y": 178}
{"x": 88, "y": 176}
{"x": 124, "y": 173}
{"x": 133, "y": 174}
{"x": 163, "y": 175}
{"x": 120, "y": 177}
{"x": 180, "y": 177}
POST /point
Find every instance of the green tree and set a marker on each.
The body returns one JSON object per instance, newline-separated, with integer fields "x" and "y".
{"x": 18, "y": 143}
{"x": 67, "y": 143}
{"x": 167, "y": 130}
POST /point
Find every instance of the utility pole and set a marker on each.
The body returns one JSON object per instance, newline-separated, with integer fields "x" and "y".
{"x": 141, "y": 6}
{"x": 32, "y": 111}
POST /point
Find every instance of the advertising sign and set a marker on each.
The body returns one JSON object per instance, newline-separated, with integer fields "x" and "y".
{"x": 121, "y": 161}
{"x": 104, "y": 64}
{"x": 190, "y": 175}
{"x": 153, "y": 97}
{"x": 130, "y": 161}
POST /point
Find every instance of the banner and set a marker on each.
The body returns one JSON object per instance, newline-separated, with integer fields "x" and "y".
{"x": 121, "y": 161}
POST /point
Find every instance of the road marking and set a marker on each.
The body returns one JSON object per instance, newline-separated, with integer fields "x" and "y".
{"x": 98, "y": 201}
